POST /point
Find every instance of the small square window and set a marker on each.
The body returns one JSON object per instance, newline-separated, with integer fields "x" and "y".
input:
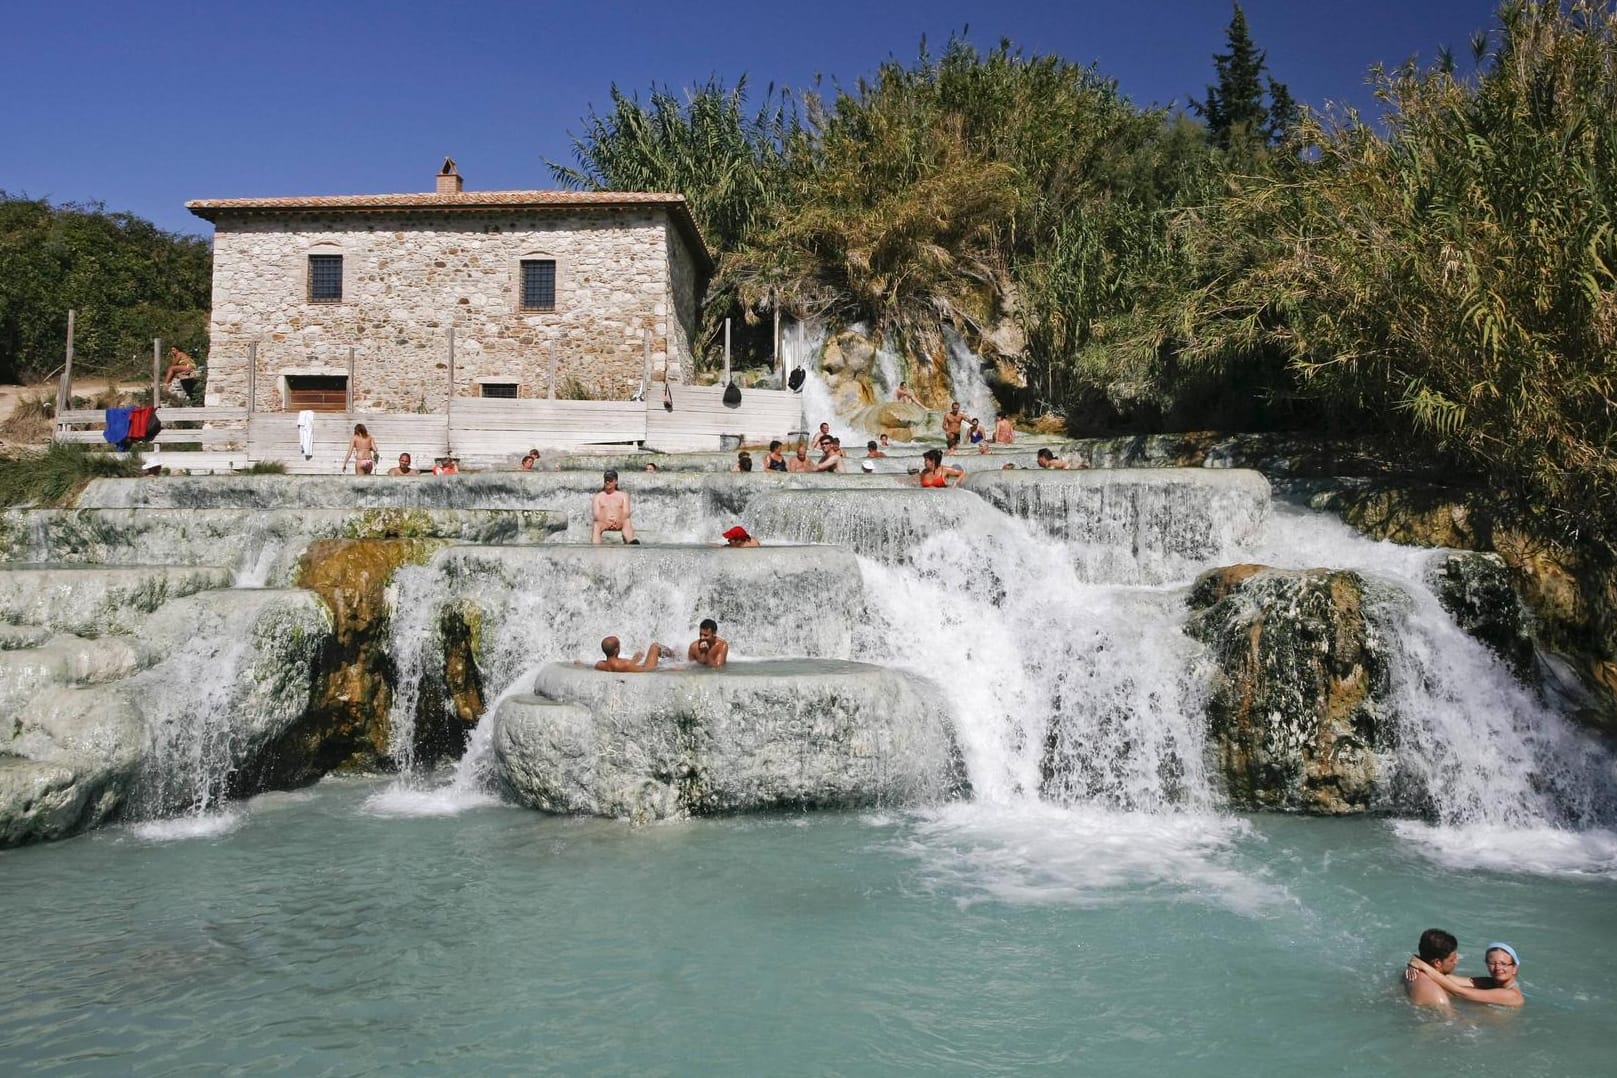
{"x": 325, "y": 278}
{"x": 538, "y": 284}
{"x": 503, "y": 390}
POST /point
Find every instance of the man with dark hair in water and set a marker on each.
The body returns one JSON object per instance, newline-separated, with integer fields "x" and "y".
{"x": 708, "y": 649}
{"x": 1440, "y": 950}
{"x": 617, "y": 664}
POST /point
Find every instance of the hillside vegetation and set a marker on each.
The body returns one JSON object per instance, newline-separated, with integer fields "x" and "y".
{"x": 128, "y": 280}
{"x": 1440, "y": 278}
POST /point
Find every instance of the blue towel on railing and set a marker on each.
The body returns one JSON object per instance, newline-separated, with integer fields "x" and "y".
{"x": 118, "y": 426}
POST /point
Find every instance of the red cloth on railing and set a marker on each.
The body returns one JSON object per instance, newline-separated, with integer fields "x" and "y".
{"x": 140, "y": 423}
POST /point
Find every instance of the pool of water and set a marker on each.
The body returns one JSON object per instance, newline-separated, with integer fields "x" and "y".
{"x": 346, "y": 929}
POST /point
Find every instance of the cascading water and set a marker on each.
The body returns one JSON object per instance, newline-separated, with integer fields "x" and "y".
{"x": 966, "y": 376}
{"x": 801, "y": 346}
{"x": 1069, "y": 678}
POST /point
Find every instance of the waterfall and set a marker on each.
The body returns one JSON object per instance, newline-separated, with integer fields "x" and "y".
{"x": 1049, "y": 611}
{"x": 801, "y": 346}
{"x": 966, "y": 376}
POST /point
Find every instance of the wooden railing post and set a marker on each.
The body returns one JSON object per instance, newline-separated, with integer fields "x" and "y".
{"x": 645, "y": 375}
{"x": 64, "y": 392}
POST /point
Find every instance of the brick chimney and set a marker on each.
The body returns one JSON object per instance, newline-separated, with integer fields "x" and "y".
{"x": 448, "y": 178}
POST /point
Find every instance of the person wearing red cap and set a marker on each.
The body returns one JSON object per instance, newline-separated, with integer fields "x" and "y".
{"x": 708, "y": 649}
{"x": 737, "y": 536}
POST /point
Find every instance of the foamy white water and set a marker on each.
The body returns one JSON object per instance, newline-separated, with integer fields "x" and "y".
{"x": 187, "y": 828}
{"x": 1037, "y": 854}
{"x": 1528, "y": 850}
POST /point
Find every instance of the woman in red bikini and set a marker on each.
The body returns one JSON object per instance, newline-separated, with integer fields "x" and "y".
{"x": 935, "y": 473}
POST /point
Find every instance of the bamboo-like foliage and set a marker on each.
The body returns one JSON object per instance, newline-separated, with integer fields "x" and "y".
{"x": 1453, "y": 280}
{"x": 727, "y": 164}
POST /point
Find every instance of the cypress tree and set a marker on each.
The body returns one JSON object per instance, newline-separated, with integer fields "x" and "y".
{"x": 1234, "y": 109}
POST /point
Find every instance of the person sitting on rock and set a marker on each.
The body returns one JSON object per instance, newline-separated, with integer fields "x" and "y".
{"x": 615, "y": 663}
{"x": 903, "y": 393}
{"x": 181, "y": 369}
{"x": 708, "y": 649}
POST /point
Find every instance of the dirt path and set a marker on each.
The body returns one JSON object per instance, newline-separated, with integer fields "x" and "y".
{"x": 11, "y": 396}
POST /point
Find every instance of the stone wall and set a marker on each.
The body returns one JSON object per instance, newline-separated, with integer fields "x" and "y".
{"x": 683, "y": 291}
{"x": 406, "y": 280}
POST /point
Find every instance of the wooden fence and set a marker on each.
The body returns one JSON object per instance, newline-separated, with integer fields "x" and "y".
{"x": 482, "y": 432}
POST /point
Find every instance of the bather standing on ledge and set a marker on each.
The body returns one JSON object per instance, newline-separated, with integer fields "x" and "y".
{"x": 708, "y": 649}
{"x": 615, "y": 663}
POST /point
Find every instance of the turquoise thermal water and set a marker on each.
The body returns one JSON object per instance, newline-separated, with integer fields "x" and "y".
{"x": 320, "y": 932}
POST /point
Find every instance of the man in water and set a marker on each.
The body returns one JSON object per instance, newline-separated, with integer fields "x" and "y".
{"x": 403, "y": 467}
{"x": 952, "y": 420}
{"x": 873, "y": 451}
{"x": 799, "y": 461}
{"x": 1441, "y": 950}
{"x": 617, "y": 664}
{"x": 610, "y": 510}
{"x": 1048, "y": 459}
{"x": 820, "y": 439}
{"x": 708, "y": 649}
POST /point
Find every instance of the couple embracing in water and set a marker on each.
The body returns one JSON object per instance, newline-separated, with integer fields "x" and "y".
{"x": 1429, "y": 978}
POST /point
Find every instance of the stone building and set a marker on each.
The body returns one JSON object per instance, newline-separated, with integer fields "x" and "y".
{"x": 352, "y": 297}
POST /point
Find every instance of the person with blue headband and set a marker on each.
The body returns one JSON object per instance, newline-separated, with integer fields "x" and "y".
{"x": 1498, "y": 988}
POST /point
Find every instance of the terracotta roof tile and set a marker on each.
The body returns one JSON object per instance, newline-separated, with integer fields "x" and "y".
{"x": 211, "y": 209}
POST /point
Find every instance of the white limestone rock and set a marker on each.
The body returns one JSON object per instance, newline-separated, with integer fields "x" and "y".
{"x": 753, "y": 736}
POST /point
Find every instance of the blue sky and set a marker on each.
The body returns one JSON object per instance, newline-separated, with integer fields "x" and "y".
{"x": 143, "y": 105}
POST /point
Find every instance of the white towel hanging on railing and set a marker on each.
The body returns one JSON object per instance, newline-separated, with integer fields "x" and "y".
{"x": 306, "y": 433}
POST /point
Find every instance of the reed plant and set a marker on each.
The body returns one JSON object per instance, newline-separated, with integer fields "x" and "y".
{"x": 1447, "y": 280}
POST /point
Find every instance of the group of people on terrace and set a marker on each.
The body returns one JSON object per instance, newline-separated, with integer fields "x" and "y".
{"x": 366, "y": 457}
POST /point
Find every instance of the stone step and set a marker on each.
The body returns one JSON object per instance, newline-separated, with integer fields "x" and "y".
{"x": 775, "y": 734}
{"x": 263, "y": 546}
{"x": 96, "y": 600}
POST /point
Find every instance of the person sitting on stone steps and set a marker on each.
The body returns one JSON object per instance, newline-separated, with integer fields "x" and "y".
{"x": 610, "y": 510}
{"x": 708, "y": 649}
{"x": 615, "y": 663}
